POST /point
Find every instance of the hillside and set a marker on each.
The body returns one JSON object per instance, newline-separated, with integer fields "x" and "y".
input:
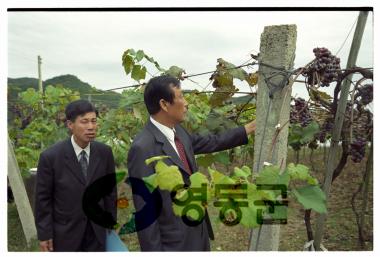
{"x": 17, "y": 85}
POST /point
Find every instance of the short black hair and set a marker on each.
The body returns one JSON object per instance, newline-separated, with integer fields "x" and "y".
{"x": 159, "y": 88}
{"x": 77, "y": 108}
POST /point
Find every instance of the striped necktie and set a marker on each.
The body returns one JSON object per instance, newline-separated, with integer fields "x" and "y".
{"x": 182, "y": 154}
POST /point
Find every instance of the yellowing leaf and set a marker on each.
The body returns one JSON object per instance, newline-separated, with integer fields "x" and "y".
{"x": 168, "y": 177}
{"x": 252, "y": 78}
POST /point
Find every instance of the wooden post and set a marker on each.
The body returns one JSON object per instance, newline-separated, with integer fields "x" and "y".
{"x": 277, "y": 48}
{"x": 338, "y": 123}
{"x": 21, "y": 198}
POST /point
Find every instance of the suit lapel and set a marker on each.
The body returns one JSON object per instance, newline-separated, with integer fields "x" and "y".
{"x": 93, "y": 163}
{"x": 71, "y": 161}
{"x": 166, "y": 147}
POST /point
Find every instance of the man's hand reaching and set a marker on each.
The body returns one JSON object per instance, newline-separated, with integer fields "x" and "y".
{"x": 250, "y": 127}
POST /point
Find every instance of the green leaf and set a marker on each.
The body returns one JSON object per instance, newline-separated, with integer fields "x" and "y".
{"x": 131, "y": 51}
{"x": 309, "y": 132}
{"x": 139, "y": 55}
{"x": 205, "y": 160}
{"x": 298, "y": 171}
{"x": 30, "y": 96}
{"x": 155, "y": 158}
{"x": 120, "y": 176}
{"x": 311, "y": 197}
{"x": 280, "y": 212}
{"x": 216, "y": 176}
{"x": 127, "y": 62}
{"x": 222, "y": 157}
{"x": 151, "y": 182}
{"x": 197, "y": 179}
{"x": 176, "y": 72}
{"x": 138, "y": 72}
{"x": 168, "y": 177}
{"x": 249, "y": 214}
{"x": 238, "y": 73}
{"x": 271, "y": 175}
{"x": 243, "y": 172}
{"x": 301, "y": 172}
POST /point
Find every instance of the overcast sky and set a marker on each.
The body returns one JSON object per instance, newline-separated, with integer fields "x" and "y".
{"x": 90, "y": 44}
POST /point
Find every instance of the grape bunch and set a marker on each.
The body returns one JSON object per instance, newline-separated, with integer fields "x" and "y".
{"x": 357, "y": 149}
{"x": 326, "y": 65}
{"x": 313, "y": 144}
{"x": 300, "y": 112}
{"x": 326, "y": 127}
{"x": 365, "y": 93}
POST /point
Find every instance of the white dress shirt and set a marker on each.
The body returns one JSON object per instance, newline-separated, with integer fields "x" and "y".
{"x": 79, "y": 149}
{"x": 168, "y": 132}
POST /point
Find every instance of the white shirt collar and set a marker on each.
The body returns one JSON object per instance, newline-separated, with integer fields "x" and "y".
{"x": 79, "y": 149}
{"x": 168, "y": 132}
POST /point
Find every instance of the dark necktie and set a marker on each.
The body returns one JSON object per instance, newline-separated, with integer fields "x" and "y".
{"x": 83, "y": 163}
{"x": 182, "y": 154}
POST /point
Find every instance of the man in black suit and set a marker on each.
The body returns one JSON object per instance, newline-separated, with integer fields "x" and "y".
{"x": 65, "y": 171}
{"x": 157, "y": 227}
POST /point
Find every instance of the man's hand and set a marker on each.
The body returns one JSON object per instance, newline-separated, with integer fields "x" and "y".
{"x": 250, "y": 127}
{"x": 46, "y": 246}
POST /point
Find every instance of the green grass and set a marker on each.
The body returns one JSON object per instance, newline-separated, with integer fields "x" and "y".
{"x": 16, "y": 238}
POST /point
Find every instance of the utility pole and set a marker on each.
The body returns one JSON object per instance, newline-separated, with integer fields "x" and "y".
{"x": 338, "y": 123}
{"x": 39, "y": 75}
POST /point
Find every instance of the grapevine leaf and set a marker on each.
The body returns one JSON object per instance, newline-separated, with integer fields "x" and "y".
{"x": 298, "y": 171}
{"x": 309, "y": 131}
{"x": 243, "y": 172}
{"x": 139, "y": 55}
{"x": 151, "y": 182}
{"x": 168, "y": 177}
{"x": 216, "y": 176}
{"x": 280, "y": 212}
{"x": 238, "y": 73}
{"x": 311, "y": 197}
{"x": 176, "y": 72}
{"x": 151, "y": 60}
{"x": 30, "y": 96}
{"x": 252, "y": 78}
{"x": 222, "y": 157}
{"x": 138, "y": 72}
{"x": 271, "y": 175}
{"x": 206, "y": 160}
{"x": 155, "y": 158}
{"x": 197, "y": 179}
{"x": 131, "y": 51}
{"x": 249, "y": 214}
{"x": 316, "y": 95}
{"x": 127, "y": 62}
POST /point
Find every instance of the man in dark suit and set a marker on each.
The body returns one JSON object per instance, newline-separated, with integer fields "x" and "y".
{"x": 65, "y": 171}
{"x": 157, "y": 227}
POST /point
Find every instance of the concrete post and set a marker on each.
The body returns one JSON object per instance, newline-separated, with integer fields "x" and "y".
{"x": 20, "y": 196}
{"x": 277, "y": 48}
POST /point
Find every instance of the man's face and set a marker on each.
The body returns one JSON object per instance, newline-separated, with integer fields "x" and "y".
{"x": 177, "y": 110}
{"x": 84, "y": 128}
